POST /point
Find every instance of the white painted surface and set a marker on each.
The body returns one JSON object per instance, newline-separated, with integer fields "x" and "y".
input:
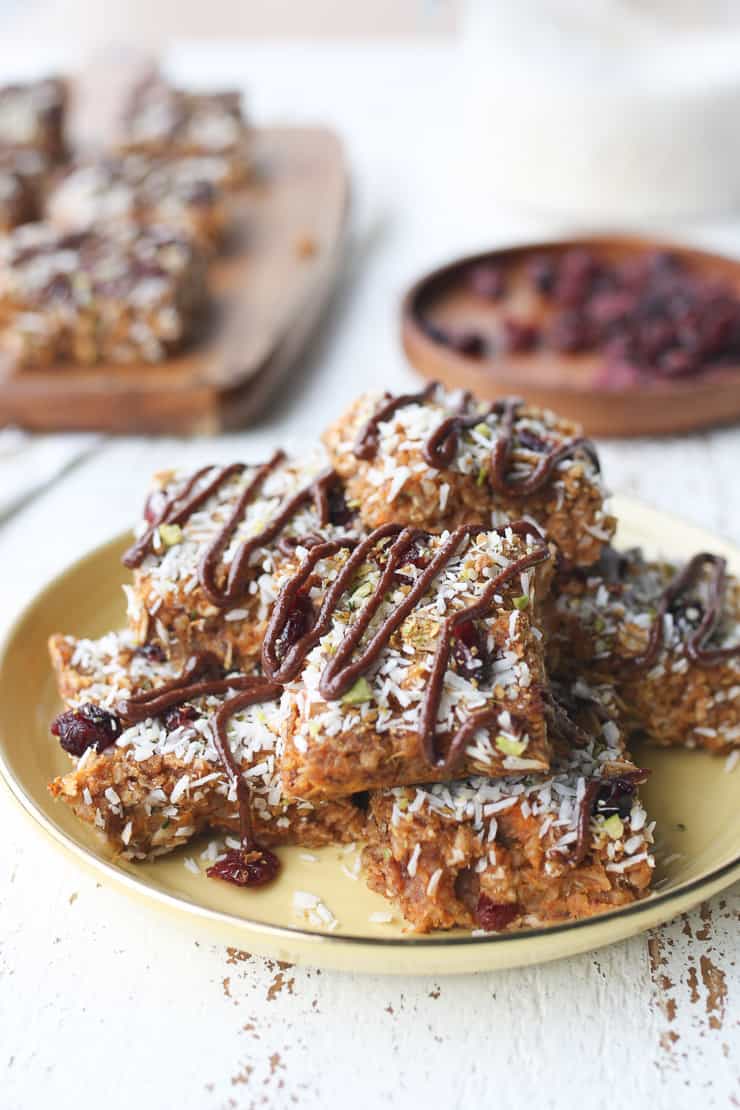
{"x": 105, "y": 1003}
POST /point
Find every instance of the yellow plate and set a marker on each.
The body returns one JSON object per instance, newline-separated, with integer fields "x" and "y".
{"x": 694, "y": 801}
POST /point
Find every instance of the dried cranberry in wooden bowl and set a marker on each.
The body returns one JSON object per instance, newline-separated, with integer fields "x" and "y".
{"x": 626, "y": 335}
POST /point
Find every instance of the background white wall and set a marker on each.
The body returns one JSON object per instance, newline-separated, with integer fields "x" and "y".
{"x": 154, "y": 21}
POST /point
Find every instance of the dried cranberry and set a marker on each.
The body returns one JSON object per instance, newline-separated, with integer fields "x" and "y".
{"x": 463, "y": 341}
{"x": 246, "y": 867}
{"x": 650, "y": 315}
{"x": 469, "y": 651}
{"x": 153, "y": 652}
{"x": 569, "y": 332}
{"x": 467, "y": 343}
{"x": 519, "y": 336}
{"x": 495, "y": 916}
{"x": 340, "y": 513}
{"x": 616, "y": 794}
{"x": 576, "y": 272}
{"x": 663, "y": 263}
{"x": 654, "y": 337}
{"x": 299, "y": 621}
{"x": 606, "y": 309}
{"x": 487, "y": 280}
{"x": 416, "y": 556}
{"x": 677, "y": 363}
{"x": 177, "y": 716}
{"x": 542, "y": 272}
{"x": 86, "y": 727}
{"x": 716, "y": 326}
{"x": 620, "y": 348}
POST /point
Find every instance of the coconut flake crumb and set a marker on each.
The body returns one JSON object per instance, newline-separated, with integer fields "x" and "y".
{"x": 310, "y": 907}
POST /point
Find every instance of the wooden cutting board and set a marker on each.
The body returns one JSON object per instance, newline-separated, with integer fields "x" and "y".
{"x": 551, "y": 379}
{"x": 268, "y": 290}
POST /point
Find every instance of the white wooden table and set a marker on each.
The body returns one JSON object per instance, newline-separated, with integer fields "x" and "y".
{"x": 105, "y": 1003}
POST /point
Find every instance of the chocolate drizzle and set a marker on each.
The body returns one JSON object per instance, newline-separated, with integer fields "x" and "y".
{"x": 342, "y": 671}
{"x": 181, "y": 506}
{"x": 201, "y": 676}
{"x": 236, "y": 579}
{"x": 442, "y": 444}
{"x": 368, "y": 441}
{"x": 696, "y": 641}
{"x": 626, "y": 782}
{"x": 543, "y": 471}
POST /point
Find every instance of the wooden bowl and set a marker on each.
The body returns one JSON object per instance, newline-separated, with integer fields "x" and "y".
{"x": 551, "y": 379}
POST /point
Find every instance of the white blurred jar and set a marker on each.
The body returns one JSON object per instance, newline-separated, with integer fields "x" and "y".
{"x": 604, "y": 108}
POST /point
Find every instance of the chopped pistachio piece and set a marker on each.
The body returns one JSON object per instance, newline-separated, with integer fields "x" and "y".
{"x": 509, "y": 746}
{"x": 363, "y": 590}
{"x": 482, "y": 475}
{"x": 170, "y": 534}
{"x": 613, "y": 826}
{"x": 358, "y": 693}
{"x": 482, "y": 430}
{"x": 521, "y": 602}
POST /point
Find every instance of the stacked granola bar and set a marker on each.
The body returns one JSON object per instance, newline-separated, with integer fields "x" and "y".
{"x": 421, "y": 638}
{"x": 123, "y": 295}
{"x": 32, "y": 142}
{"x": 102, "y": 257}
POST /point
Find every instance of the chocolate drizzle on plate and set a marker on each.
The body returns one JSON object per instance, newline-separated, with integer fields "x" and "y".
{"x": 696, "y": 641}
{"x": 202, "y": 675}
{"x": 342, "y": 670}
{"x": 179, "y": 507}
{"x": 442, "y": 444}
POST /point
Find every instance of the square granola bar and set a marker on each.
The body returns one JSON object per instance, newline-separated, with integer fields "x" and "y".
{"x": 121, "y": 295}
{"x": 211, "y": 544}
{"x": 411, "y": 657}
{"x": 167, "y": 122}
{"x": 436, "y": 460}
{"x": 150, "y": 775}
{"x": 184, "y": 193}
{"x": 667, "y": 636}
{"x": 510, "y": 853}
